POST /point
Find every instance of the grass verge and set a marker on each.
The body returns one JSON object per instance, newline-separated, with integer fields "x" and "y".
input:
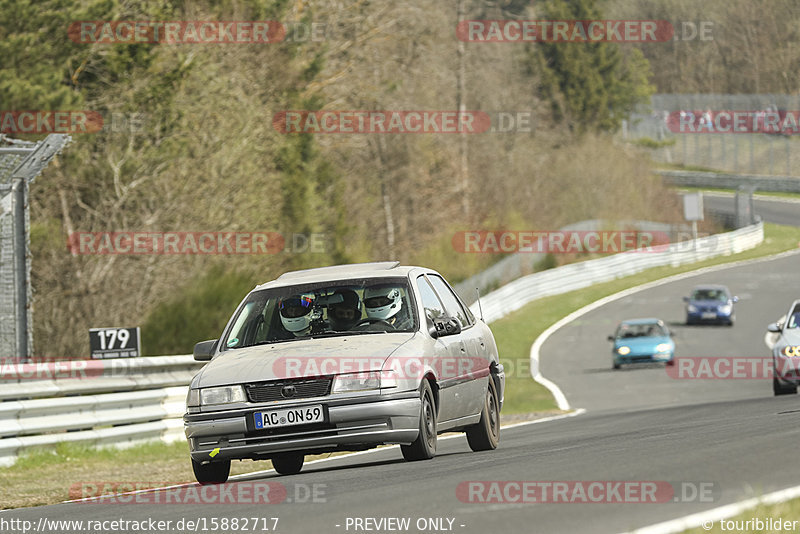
{"x": 779, "y": 514}
{"x": 46, "y": 477}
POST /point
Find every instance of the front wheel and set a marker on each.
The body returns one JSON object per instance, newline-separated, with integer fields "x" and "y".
{"x": 424, "y": 447}
{"x": 485, "y": 434}
{"x": 212, "y": 472}
{"x": 288, "y": 463}
{"x": 779, "y": 389}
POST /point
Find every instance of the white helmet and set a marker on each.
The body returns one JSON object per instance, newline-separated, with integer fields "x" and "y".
{"x": 382, "y": 302}
{"x": 296, "y": 312}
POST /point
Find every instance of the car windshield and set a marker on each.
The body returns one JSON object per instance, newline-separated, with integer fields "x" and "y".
{"x": 794, "y": 318}
{"x": 322, "y": 310}
{"x": 710, "y": 294}
{"x": 641, "y": 330}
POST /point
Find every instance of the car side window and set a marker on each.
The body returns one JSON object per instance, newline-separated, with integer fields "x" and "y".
{"x": 433, "y": 307}
{"x": 451, "y": 302}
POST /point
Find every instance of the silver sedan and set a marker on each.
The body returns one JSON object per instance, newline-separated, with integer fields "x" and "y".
{"x": 343, "y": 358}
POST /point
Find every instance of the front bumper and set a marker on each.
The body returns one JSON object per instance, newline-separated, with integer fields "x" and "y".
{"x": 351, "y": 424}
{"x": 642, "y": 358}
{"x": 709, "y": 316}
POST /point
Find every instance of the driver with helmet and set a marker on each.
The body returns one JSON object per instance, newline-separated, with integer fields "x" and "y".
{"x": 344, "y": 315}
{"x": 296, "y": 314}
{"x": 385, "y": 305}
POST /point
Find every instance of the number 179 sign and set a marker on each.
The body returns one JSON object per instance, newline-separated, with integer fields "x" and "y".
{"x": 114, "y": 343}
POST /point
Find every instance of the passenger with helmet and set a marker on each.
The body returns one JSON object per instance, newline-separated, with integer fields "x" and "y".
{"x": 296, "y": 313}
{"x": 385, "y": 304}
{"x": 344, "y": 315}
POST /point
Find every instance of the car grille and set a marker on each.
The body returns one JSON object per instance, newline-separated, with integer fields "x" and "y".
{"x": 281, "y": 389}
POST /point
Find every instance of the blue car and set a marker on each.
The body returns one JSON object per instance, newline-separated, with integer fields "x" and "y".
{"x": 642, "y": 341}
{"x": 710, "y": 304}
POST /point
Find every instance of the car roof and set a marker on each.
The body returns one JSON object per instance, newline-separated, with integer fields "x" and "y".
{"x": 710, "y": 286}
{"x": 647, "y": 320}
{"x": 382, "y": 269}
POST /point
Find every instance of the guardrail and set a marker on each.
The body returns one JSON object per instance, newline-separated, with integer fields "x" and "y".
{"x": 520, "y": 292}
{"x": 520, "y": 264}
{"x": 784, "y": 184}
{"x": 96, "y": 402}
{"x": 127, "y": 401}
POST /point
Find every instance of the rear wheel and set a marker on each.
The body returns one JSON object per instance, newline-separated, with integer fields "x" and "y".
{"x": 485, "y": 434}
{"x": 780, "y": 389}
{"x": 288, "y": 463}
{"x": 424, "y": 447}
{"x": 212, "y": 472}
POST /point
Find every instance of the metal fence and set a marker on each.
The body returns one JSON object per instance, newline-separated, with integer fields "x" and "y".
{"x": 126, "y": 401}
{"x": 754, "y": 153}
{"x": 20, "y": 163}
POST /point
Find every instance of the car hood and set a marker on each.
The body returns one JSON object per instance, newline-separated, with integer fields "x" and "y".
{"x": 305, "y": 357}
{"x": 637, "y": 344}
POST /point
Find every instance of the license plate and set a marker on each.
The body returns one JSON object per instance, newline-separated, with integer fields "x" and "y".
{"x": 709, "y": 315}
{"x": 289, "y": 417}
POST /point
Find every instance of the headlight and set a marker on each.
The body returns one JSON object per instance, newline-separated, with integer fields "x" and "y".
{"x": 222, "y": 395}
{"x": 791, "y": 351}
{"x": 663, "y": 347}
{"x": 726, "y": 308}
{"x": 691, "y": 308}
{"x": 193, "y": 398}
{"x": 363, "y": 381}
{"x": 624, "y": 350}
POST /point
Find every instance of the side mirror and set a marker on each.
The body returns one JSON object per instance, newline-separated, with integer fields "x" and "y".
{"x": 774, "y": 327}
{"x": 685, "y": 299}
{"x": 611, "y": 338}
{"x": 452, "y": 326}
{"x": 735, "y": 298}
{"x": 204, "y": 350}
{"x": 447, "y": 326}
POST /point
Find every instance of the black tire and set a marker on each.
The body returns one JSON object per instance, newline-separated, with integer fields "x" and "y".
{"x": 288, "y": 463}
{"x": 779, "y": 389}
{"x": 485, "y": 434}
{"x": 424, "y": 447}
{"x": 212, "y": 472}
{"x": 616, "y": 365}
